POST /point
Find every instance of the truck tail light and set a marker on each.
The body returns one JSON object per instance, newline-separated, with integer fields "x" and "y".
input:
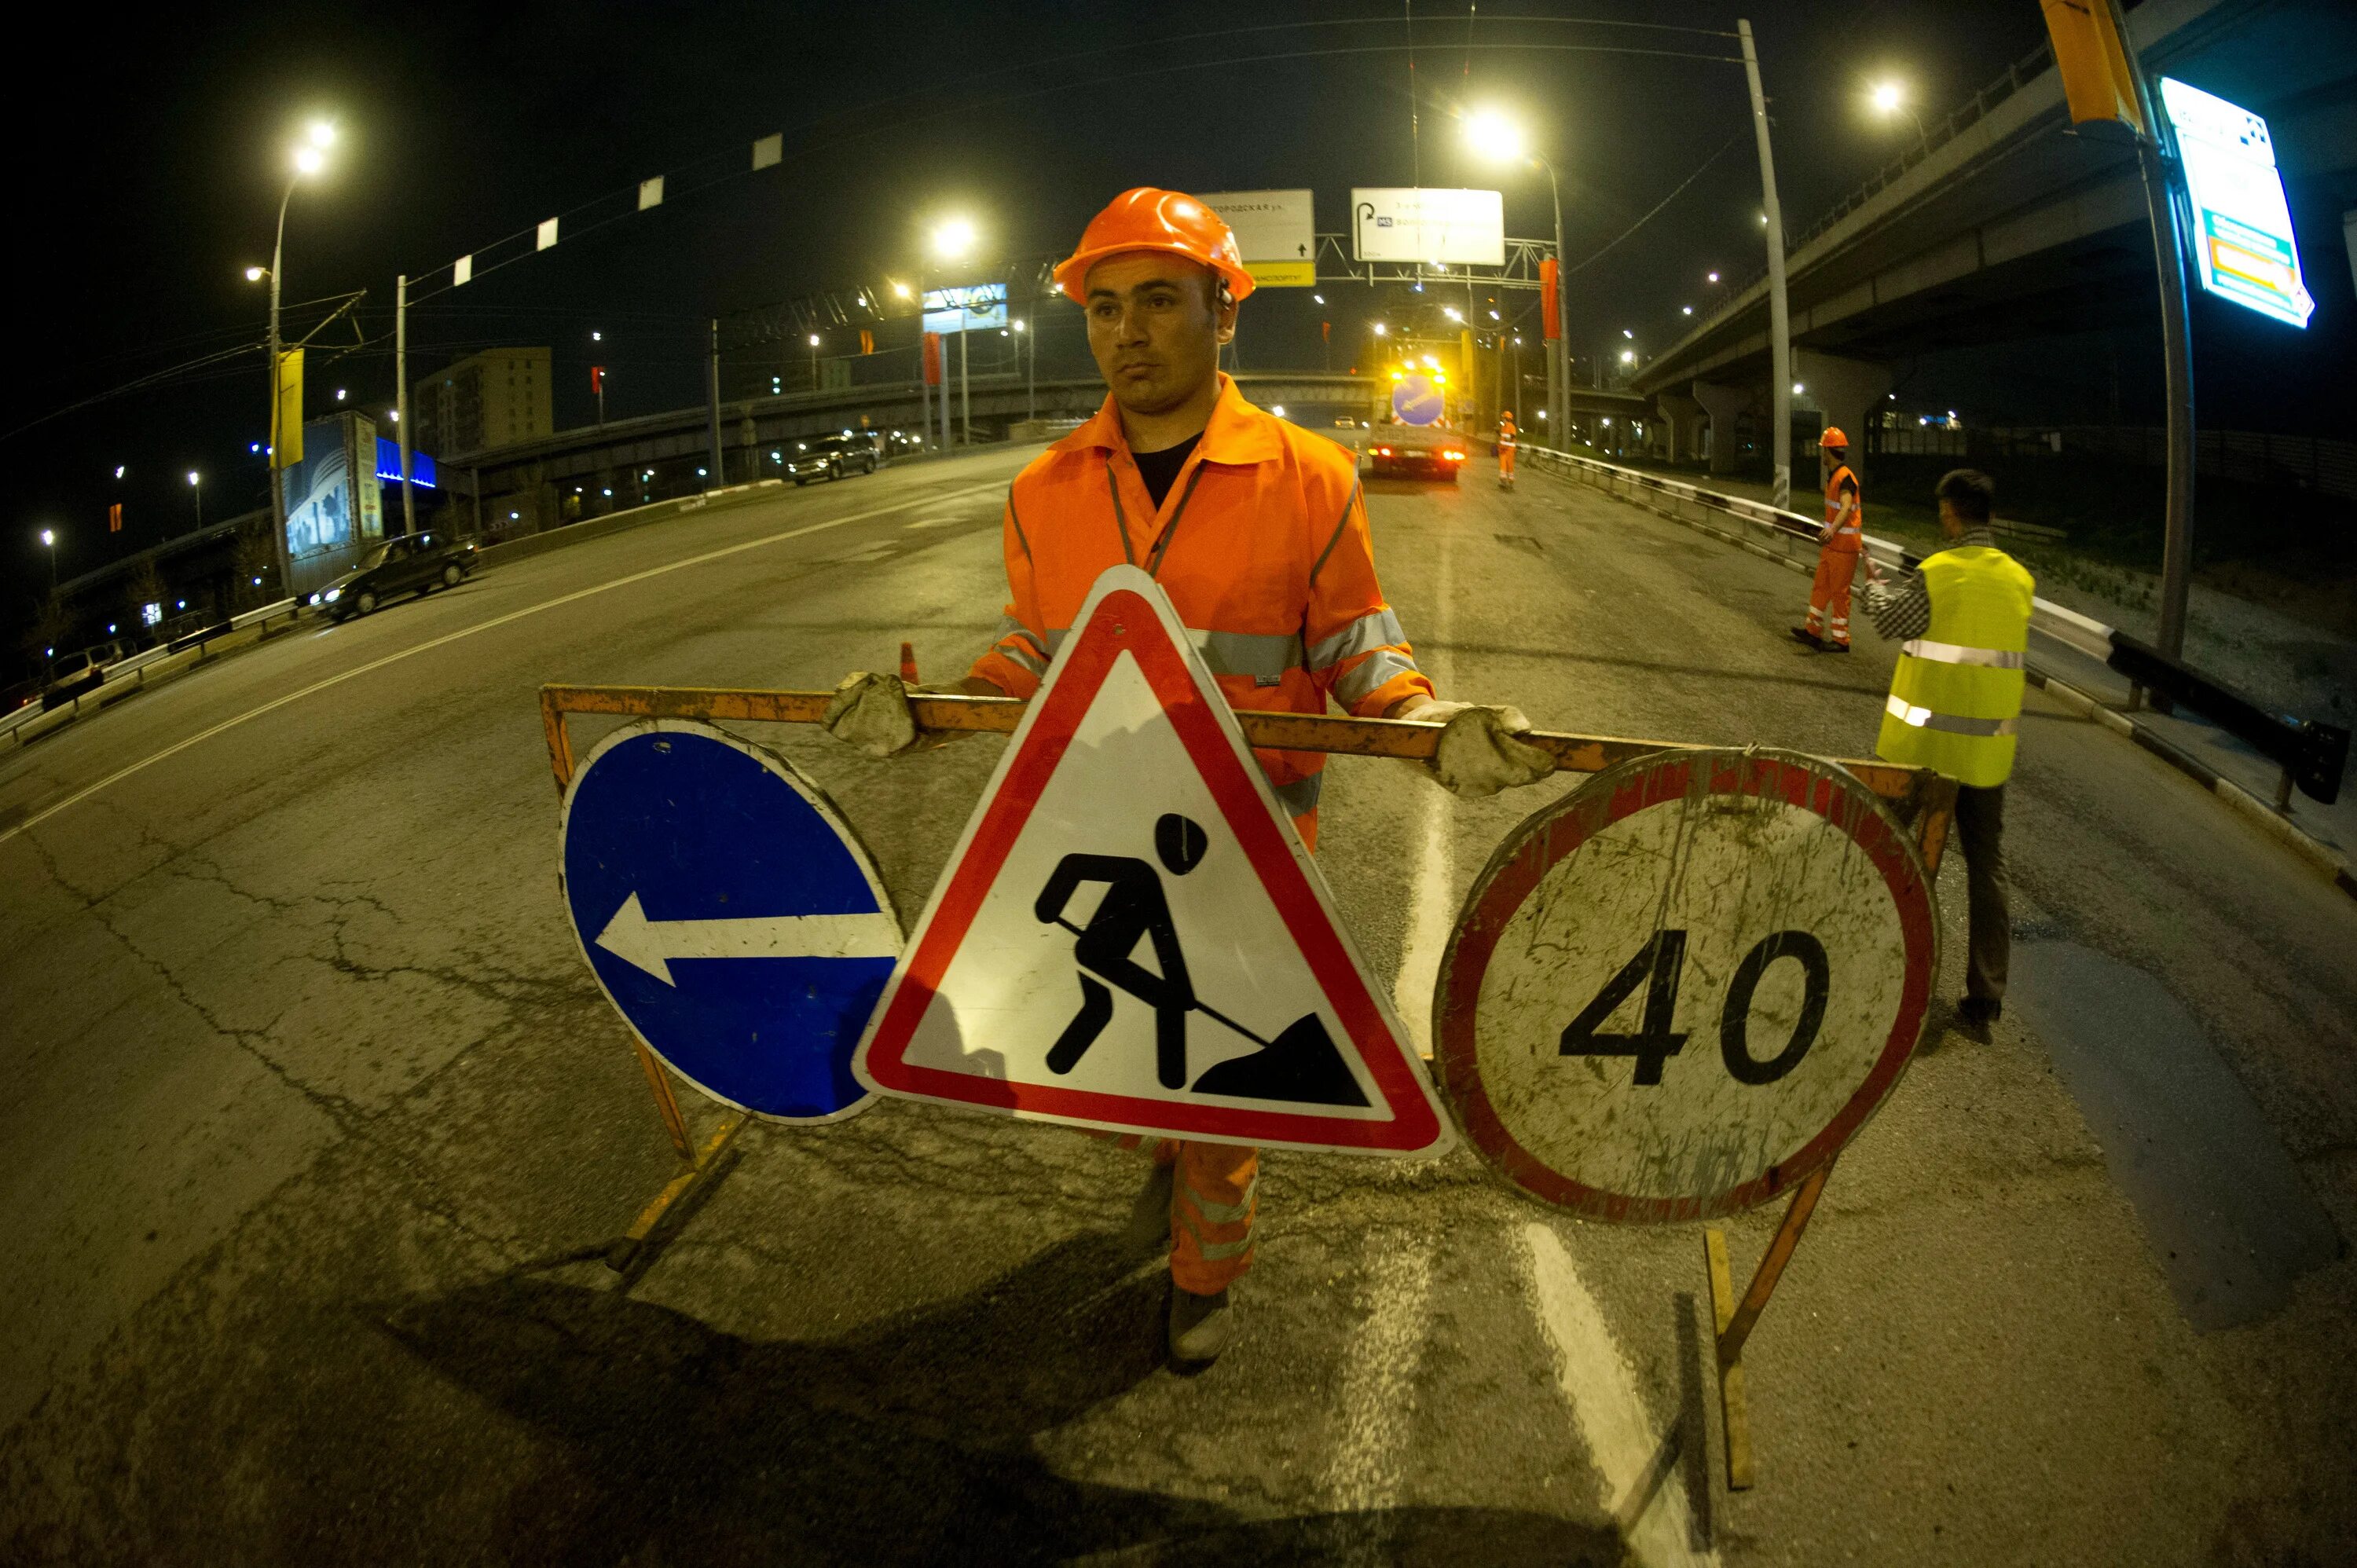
{"x": 1382, "y": 451}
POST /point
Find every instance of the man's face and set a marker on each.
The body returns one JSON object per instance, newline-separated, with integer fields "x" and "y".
{"x": 1155, "y": 327}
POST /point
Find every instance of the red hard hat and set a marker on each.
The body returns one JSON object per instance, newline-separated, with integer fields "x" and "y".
{"x": 1147, "y": 218}
{"x": 1834, "y": 437}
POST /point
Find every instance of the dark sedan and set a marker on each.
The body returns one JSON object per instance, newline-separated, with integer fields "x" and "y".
{"x": 411, "y": 565}
{"x": 832, "y": 456}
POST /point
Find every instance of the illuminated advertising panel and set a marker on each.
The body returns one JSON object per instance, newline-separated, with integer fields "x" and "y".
{"x": 2242, "y": 225}
{"x": 1274, "y": 231}
{"x": 969, "y": 309}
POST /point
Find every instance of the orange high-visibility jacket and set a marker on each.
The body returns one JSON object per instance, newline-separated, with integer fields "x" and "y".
{"x": 1844, "y": 515}
{"x": 1262, "y": 544}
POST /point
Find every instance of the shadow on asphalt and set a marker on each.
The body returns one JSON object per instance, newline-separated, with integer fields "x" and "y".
{"x": 909, "y": 1441}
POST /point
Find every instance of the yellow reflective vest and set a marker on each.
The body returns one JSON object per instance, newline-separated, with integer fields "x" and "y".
{"x": 1957, "y": 696}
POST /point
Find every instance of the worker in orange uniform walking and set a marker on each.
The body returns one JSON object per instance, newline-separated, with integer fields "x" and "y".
{"x": 1257, "y": 530}
{"x": 1505, "y": 449}
{"x": 1828, "y": 625}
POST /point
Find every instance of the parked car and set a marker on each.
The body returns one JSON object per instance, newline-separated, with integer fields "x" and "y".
{"x": 832, "y": 456}
{"x": 77, "y": 672}
{"x": 413, "y": 564}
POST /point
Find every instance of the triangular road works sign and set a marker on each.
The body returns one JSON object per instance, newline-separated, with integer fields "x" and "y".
{"x": 1131, "y": 938}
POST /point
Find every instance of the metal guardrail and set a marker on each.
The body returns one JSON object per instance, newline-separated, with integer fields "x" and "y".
{"x": 179, "y": 654}
{"x": 2312, "y": 756}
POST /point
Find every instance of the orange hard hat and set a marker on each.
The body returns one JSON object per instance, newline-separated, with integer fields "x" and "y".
{"x": 1147, "y": 218}
{"x": 1834, "y": 437}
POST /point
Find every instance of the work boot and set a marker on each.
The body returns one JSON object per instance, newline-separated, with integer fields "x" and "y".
{"x": 1200, "y": 1327}
{"x": 1832, "y": 648}
{"x": 1976, "y": 1013}
{"x": 1802, "y": 634}
{"x": 1149, "y": 1230}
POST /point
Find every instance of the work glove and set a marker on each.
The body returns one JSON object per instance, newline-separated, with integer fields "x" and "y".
{"x": 1477, "y": 754}
{"x": 870, "y": 714}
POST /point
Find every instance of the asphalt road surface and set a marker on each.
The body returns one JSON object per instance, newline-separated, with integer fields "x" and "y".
{"x": 315, "y": 1121}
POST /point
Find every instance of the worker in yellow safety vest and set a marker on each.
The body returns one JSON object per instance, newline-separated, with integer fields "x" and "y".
{"x": 1257, "y": 530}
{"x": 1964, "y": 626}
{"x": 1827, "y": 629}
{"x": 1505, "y": 449}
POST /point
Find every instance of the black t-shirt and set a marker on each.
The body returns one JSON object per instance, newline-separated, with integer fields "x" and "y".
{"x": 1160, "y": 469}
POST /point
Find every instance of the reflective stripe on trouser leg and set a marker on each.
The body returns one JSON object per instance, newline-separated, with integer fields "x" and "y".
{"x": 1830, "y": 592}
{"x": 1212, "y": 1206}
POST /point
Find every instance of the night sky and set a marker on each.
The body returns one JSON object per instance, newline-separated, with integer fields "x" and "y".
{"x": 460, "y": 127}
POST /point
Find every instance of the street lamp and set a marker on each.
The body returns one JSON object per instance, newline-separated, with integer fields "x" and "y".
{"x": 50, "y": 539}
{"x": 197, "y": 489}
{"x": 952, "y": 239}
{"x": 1030, "y": 372}
{"x": 309, "y": 158}
{"x": 1499, "y": 139}
{"x": 1890, "y": 98}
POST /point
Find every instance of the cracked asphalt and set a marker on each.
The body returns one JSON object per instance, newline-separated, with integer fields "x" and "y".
{"x": 317, "y": 1126}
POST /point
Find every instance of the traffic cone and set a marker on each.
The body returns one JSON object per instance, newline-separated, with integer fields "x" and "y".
{"x": 908, "y": 664}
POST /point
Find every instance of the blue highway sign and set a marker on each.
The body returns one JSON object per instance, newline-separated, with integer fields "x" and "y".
{"x": 730, "y": 914}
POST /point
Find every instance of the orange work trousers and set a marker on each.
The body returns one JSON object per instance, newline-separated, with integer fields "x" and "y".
{"x": 1506, "y": 464}
{"x": 1214, "y": 1202}
{"x": 1829, "y": 596}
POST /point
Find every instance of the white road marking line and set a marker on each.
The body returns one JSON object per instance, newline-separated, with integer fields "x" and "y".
{"x": 1431, "y": 910}
{"x": 318, "y": 686}
{"x": 1601, "y": 1390}
{"x": 1379, "y": 1383}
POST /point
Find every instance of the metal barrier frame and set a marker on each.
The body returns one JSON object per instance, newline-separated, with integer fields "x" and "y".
{"x": 191, "y": 650}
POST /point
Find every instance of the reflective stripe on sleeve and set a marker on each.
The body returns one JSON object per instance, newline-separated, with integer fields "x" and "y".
{"x": 1906, "y": 712}
{"x": 1363, "y": 679}
{"x": 1957, "y": 653}
{"x": 1376, "y": 628}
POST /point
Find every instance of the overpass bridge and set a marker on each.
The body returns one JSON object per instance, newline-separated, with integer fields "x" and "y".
{"x": 591, "y": 470}
{"x": 2001, "y": 224}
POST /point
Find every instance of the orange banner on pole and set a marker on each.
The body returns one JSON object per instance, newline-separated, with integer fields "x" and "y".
{"x": 1550, "y": 300}
{"x": 114, "y": 518}
{"x": 932, "y": 359}
{"x": 2098, "y": 81}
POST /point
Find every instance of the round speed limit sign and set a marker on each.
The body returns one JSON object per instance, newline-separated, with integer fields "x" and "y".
{"x": 1682, "y": 988}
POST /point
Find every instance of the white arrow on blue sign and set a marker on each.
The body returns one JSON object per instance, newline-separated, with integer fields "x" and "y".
{"x": 730, "y": 914}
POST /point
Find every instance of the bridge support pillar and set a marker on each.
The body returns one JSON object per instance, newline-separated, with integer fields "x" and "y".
{"x": 1681, "y": 419}
{"x": 1724, "y": 404}
{"x": 1851, "y": 392}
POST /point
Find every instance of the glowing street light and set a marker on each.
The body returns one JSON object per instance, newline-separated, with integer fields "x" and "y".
{"x": 1381, "y": 330}
{"x": 309, "y": 158}
{"x": 1890, "y": 98}
{"x": 1490, "y": 134}
{"x": 952, "y": 239}
{"x": 1712, "y": 278}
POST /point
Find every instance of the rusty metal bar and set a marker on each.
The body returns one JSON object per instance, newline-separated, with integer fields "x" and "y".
{"x": 1908, "y": 790}
{"x": 1736, "y": 1319}
{"x": 1772, "y": 1267}
{"x": 624, "y": 1250}
{"x": 666, "y": 1103}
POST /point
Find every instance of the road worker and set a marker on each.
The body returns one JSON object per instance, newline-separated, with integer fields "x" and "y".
{"x": 1257, "y": 530}
{"x": 1828, "y": 625}
{"x": 1963, "y": 625}
{"x": 1505, "y": 449}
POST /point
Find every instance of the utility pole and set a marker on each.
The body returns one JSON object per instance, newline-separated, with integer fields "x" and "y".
{"x": 401, "y": 397}
{"x": 2154, "y": 156}
{"x": 712, "y": 408}
{"x": 1780, "y": 318}
{"x": 277, "y": 404}
{"x": 966, "y": 389}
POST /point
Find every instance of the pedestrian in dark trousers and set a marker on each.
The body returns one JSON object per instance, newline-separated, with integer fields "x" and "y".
{"x": 1962, "y": 621}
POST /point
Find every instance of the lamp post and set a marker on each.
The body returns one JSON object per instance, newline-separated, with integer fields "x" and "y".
{"x": 197, "y": 489}
{"x": 1031, "y": 346}
{"x": 1889, "y": 97}
{"x": 952, "y": 239}
{"x": 49, "y": 540}
{"x": 1496, "y": 137}
{"x": 310, "y": 156}
{"x": 813, "y": 349}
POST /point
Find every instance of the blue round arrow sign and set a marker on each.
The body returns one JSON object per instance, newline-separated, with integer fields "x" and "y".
{"x": 730, "y": 914}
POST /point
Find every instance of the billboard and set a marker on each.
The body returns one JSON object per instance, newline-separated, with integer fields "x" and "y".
{"x": 2242, "y": 225}
{"x": 1464, "y": 227}
{"x": 335, "y": 504}
{"x": 1275, "y": 231}
{"x": 388, "y": 463}
{"x": 969, "y": 307}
